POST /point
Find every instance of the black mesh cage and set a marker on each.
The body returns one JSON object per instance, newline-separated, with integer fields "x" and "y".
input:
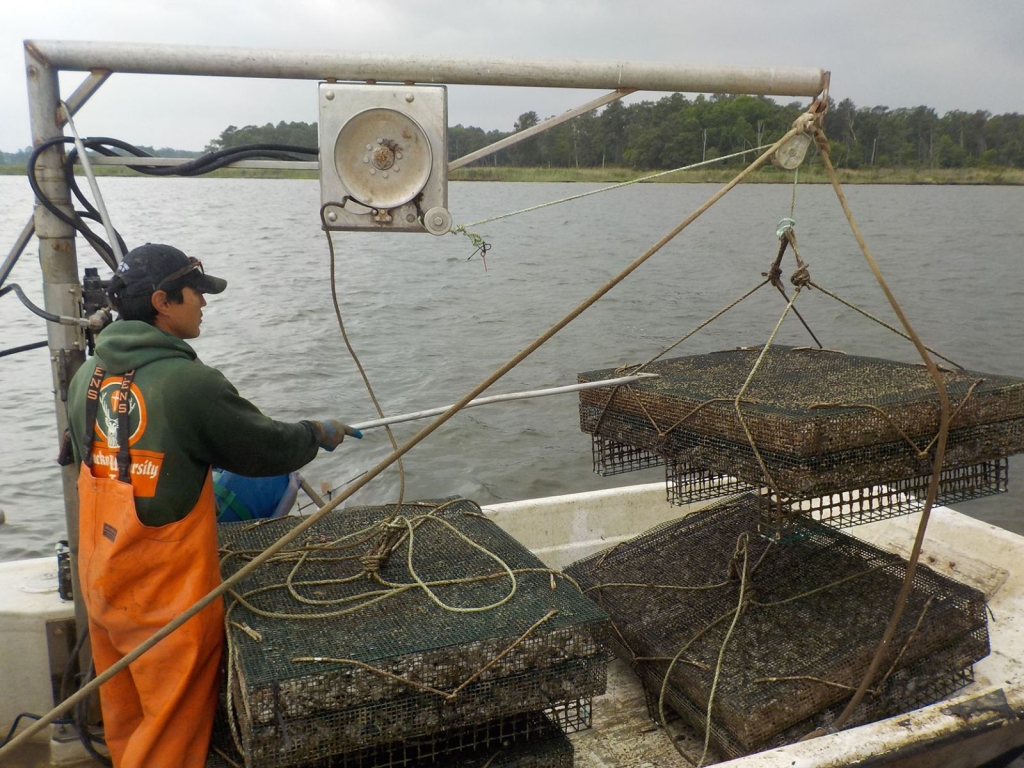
{"x": 402, "y": 656}
{"x": 823, "y": 423}
{"x": 815, "y": 607}
{"x": 528, "y": 740}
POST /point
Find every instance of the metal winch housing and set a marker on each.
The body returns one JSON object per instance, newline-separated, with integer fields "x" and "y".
{"x": 383, "y": 158}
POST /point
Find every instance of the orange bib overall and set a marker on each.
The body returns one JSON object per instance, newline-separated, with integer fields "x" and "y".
{"x": 158, "y": 712}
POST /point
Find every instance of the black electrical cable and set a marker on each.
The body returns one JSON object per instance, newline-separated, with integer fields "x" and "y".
{"x": 79, "y": 712}
{"x": 30, "y": 716}
{"x": 76, "y": 220}
{"x": 23, "y": 348}
{"x": 78, "y": 718}
{"x": 25, "y": 300}
{"x": 103, "y": 145}
{"x": 90, "y": 211}
{"x": 211, "y": 161}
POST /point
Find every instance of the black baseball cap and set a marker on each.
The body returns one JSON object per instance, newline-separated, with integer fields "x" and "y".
{"x": 155, "y": 267}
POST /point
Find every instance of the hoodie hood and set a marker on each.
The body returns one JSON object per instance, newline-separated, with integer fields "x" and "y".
{"x": 127, "y": 344}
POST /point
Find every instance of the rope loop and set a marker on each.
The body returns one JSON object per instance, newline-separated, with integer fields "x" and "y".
{"x": 784, "y": 226}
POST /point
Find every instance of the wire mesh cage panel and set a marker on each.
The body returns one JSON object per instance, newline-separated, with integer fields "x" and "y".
{"x": 526, "y": 740}
{"x": 822, "y": 423}
{"x": 331, "y": 652}
{"x": 685, "y": 484}
{"x": 898, "y": 497}
{"x": 614, "y": 458}
{"x": 814, "y": 608}
{"x": 903, "y": 691}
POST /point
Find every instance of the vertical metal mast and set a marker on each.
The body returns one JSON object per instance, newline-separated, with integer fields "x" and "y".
{"x": 59, "y": 264}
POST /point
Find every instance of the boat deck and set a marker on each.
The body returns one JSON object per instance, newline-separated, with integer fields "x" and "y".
{"x": 982, "y": 721}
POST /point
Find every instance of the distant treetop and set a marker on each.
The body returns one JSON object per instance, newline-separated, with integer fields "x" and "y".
{"x": 675, "y": 131}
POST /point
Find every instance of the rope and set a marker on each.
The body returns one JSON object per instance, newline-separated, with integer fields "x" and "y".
{"x": 801, "y": 278}
{"x": 355, "y": 358}
{"x": 921, "y": 452}
{"x": 355, "y": 603}
{"x": 463, "y": 229}
{"x": 940, "y": 442}
{"x": 397, "y": 453}
{"x": 637, "y": 369}
{"x": 435, "y": 599}
{"x": 881, "y": 322}
{"x": 447, "y": 695}
{"x": 741, "y": 544}
{"x": 792, "y": 202}
{"x": 750, "y": 377}
{"x": 700, "y": 327}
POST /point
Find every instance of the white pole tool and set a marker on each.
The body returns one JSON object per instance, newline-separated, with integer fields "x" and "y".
{"x": 503, "y": 399}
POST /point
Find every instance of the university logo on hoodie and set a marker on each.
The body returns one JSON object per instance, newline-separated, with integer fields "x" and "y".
{"x": 146, "y": 465}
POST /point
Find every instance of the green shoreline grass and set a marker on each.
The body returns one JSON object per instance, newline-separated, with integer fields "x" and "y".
{"x": 808, "y": 175}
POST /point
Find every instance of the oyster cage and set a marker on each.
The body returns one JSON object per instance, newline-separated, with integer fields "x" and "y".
{"x": 843, "y": 509}
{"x": 824, "y": 423}
{"x": 326, "y": 660}
{"x": 815, "y": 608}
{"x": 527, "y": 740}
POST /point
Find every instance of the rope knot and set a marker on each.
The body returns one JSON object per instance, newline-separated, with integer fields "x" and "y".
{"x": 801, "y": 278}
{"x": 774, "y": 274}
{"x": 372, "y": 563}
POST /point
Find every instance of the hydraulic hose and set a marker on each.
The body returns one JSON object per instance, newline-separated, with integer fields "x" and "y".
{"x": 23, "y": 348}
{"x": 32, "y": 307}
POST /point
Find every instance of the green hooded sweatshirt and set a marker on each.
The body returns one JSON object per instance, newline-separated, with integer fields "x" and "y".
{"x": 184, "y": 417}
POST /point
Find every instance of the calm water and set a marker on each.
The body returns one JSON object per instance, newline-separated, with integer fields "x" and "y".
{"x": 428, "y": 324}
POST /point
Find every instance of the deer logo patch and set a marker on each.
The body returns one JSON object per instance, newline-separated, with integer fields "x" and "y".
{"x": 106, "y": 420}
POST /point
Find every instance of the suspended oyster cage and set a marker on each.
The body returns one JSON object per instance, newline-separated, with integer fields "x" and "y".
{"x": 845, "y": 439}
{"x": 815, "y": 610}
{"x": 528, "y": 740}
{"x": 391, "y": 650}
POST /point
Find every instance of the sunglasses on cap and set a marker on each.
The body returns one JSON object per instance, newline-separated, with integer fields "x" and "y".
{"x": 193, "y": 266}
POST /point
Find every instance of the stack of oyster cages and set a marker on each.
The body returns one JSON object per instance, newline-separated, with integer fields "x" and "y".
{"x": 844, "y": 439}
{"x": 813, "y": 609}
{"x": 811, "y": 441}
{"x": 403, "y": 680}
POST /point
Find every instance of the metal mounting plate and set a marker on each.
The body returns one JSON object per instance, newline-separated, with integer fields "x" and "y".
{"x": 383, "y": 160}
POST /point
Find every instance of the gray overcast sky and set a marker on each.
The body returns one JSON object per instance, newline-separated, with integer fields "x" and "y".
{"x": 947, "y": 54}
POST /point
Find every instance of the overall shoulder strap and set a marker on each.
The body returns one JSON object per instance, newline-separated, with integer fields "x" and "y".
{"x": 124, "y": 459}
{"x": 92, "y": 403}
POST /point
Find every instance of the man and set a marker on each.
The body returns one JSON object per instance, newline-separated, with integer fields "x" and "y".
{"x": 148, "y": 421}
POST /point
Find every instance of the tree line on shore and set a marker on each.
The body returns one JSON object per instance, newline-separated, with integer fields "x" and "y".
{"x": 675, "y": 131}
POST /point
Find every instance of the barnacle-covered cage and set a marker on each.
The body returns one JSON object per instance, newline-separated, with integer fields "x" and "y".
{"x": 813, "y": 610}
{"x": 332, "y": 652}
{"x": 841, "y": 438}
{"x": 527, "y": 740}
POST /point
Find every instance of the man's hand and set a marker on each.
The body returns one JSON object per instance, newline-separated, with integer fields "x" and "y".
{"x": 332, "y": 433}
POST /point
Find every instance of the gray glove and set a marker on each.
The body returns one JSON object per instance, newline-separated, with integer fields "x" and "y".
{"x": 332, "y": 433}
